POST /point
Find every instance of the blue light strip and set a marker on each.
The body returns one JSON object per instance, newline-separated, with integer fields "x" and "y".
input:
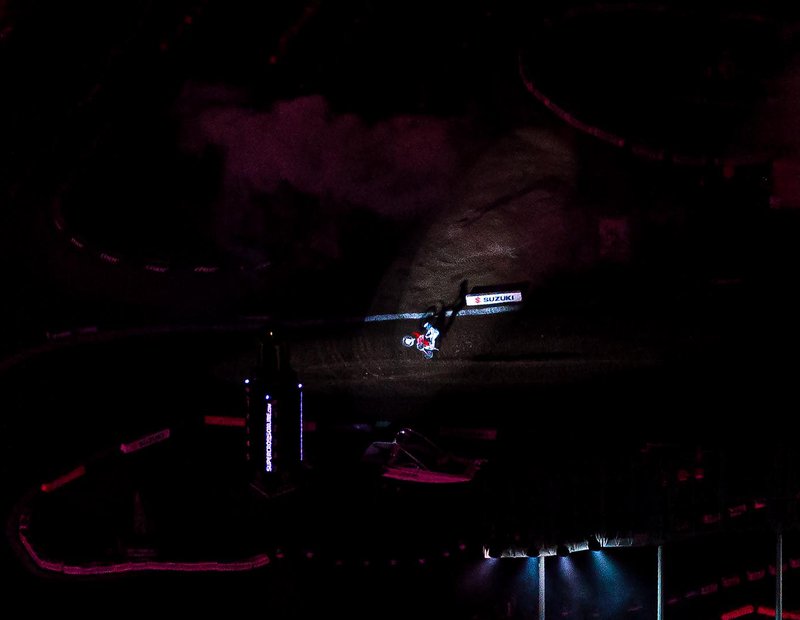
{"x": 301, "y": 421}
{"x": 268, "y": 439}
{"x": 258, "y": 320}
{"x": 421, "y": 315}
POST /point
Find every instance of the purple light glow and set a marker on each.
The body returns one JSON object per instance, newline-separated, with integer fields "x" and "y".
{"x": 398, "y": 168}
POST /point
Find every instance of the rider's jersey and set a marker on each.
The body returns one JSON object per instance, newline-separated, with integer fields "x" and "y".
{"x": 431, "y": 335}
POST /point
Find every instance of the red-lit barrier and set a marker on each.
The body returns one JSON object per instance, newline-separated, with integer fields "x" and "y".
{"x": 761, "y": 610}
{"x": 144, "y": 442}
{"x": 156, "y": 268}
{"x": 772, "y": 571}
{"x": 221, "y": 420}
{"x": 109, "y": 258}
{"x": 149, "y": 565}
{"x": 739, "y": 612}
{"x": 735, "y": 580}
{"x": 729, "y": 582}
{"x": 735, "y": 511}
{"x": 79, "y": 471}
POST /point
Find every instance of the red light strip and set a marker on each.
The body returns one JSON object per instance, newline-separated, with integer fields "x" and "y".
{"x": 79, "y": 471}
{"x": 756, "y": 575}
{"x": 127, "y": 567}
{"x": 771, "y": 568}
{"x": 144, "y": 442}
{"x": 156, "y": 268}
{"x": 109, "y": 258}
{"x": 738, "y": 613}
{"x": 221, "y": 420}
{"x": 709, "y": 589}
{"x": 762, "y": 610}
{"x": 736, "y": 511}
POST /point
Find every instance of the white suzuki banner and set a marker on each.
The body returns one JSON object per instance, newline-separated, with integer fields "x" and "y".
{"x": 510, "y": 297}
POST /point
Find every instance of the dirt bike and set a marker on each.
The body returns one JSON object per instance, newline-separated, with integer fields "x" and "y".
{"x": 425, "y": 342}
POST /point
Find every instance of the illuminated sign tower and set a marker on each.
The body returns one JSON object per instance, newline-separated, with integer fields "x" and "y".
{"x": 274, "y": 418}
